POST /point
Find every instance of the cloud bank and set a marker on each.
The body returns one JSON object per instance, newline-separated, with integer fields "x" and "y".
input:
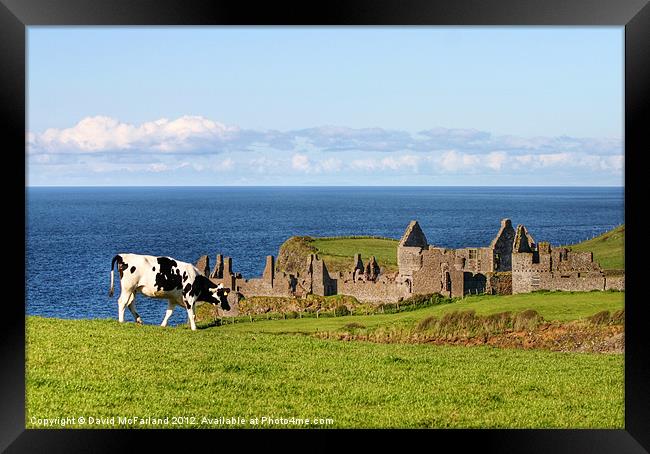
{"x": 102, "y": 144}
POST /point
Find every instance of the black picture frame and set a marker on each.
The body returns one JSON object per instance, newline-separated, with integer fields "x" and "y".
{"x": 634, "y": 15}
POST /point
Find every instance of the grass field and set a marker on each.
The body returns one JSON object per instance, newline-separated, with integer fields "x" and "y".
{"x": 608, "y": 248}
{"x": 338, "y": 252}
{"x": 104, "y": 369}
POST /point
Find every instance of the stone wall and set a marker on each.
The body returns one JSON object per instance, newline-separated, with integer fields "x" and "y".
{"x": 374, "y": 292}
{"x": 615, "y": 280}
{"x": 433, "y": 275}
{"x": 409, "y": 260}
{"x": 476, "y": 260}
{"x": 369, "y": 285}
{"x": 545, "y": 268}
{"x": 499, "y": 283}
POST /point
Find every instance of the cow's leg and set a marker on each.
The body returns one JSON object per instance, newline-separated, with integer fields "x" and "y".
{"x": 190, "y": 315}
{"x": 122, "y": 301}
{"x": 168, "y": 312}
{"x": 131, "y": 305}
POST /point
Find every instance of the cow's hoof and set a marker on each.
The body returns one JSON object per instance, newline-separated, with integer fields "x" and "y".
{"x": 139, "y": 321}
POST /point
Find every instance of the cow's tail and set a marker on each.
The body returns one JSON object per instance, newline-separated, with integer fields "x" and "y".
{"x": 117, "y": 259}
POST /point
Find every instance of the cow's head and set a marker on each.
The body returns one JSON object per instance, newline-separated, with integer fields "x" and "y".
{"x": 209, "y": 292}
{"x": 220, "y": 293}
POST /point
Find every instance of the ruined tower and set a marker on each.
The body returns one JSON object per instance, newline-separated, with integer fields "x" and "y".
{"x": 203, "y": 264}
{"x": 321, "y": 282}
{"x": 217, "y": 273}
{"x": 372, "y": 269}
{"x": 358, "y": 269}
{"x": 501, "y": 247}
{"x": 523, "y": 242}
{"x": 409, "y": 257}
{"x": 269, "y": 270}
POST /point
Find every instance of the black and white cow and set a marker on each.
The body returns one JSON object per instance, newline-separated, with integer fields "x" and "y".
{"x": 180, "y": 283}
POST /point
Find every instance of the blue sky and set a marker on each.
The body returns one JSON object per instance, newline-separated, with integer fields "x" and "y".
{"x": 325, "y": 106}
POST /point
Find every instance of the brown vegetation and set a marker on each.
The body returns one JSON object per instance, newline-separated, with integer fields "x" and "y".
{"x": 602, "y": 332}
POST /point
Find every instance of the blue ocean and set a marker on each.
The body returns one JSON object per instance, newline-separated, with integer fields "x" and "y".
{"x": 73, "y": 233}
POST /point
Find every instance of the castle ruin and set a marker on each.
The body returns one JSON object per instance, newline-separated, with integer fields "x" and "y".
{"x": 512, "y": 263}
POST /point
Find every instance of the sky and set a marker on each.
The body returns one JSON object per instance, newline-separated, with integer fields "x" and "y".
{"x": 370, "y": 106}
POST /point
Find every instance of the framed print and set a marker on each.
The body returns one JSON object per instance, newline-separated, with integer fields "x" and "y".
{"x": 374, "y": 215}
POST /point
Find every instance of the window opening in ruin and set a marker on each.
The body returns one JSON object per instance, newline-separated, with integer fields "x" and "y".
{"x": 472, "y": 254}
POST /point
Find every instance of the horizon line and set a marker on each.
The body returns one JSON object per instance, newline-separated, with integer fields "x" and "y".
{"x": 324, "y": 186}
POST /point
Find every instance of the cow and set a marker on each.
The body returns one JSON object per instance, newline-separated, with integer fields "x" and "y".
{"x": 180, "y": 283}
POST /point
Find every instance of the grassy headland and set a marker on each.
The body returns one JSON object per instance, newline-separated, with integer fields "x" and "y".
{"x": 608, "y": 248}
{"x": 337, "y": 252}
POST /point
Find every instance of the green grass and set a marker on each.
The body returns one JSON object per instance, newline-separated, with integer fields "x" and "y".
{"x": 101, "y": 368}
{"x": 608, "y": 248}
{"x": 553, "y": 306}
{"x": 338, "y": 252}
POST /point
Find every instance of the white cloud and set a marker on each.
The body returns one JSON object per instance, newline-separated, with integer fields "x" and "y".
{"x": 550, "y": 160}
{"x": 300, "y": 162}
{"x": 496, "y": 159}
{"x": 453, "y": 161}
{"x": 387, "y": 163}
{"x": 101, "y": 134}
{"x": 615, "y": 163}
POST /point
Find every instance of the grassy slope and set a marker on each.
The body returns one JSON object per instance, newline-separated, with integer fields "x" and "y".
{"x": 561, "y": 306}
{"x": 338, "y": 252}
{"x": 101, "y": 368}
{"x": 608, "y": 248}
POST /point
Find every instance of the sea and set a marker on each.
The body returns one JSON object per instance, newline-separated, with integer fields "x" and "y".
{"x": 72, "y": 233}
